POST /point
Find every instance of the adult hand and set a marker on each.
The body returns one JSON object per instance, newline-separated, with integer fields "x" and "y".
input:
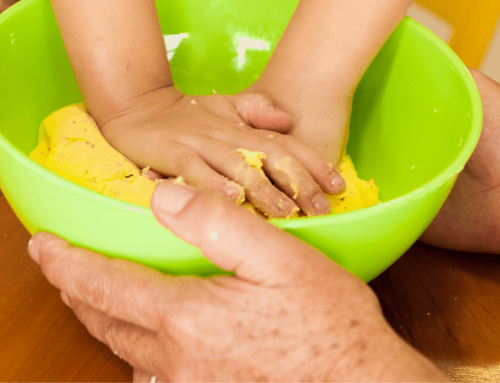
{"x": 469, "y": 219}
{"x": 288, "y": 313}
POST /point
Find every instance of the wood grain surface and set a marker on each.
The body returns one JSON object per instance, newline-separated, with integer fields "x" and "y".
{"x": 4, "y": 4}
{"x": 41, "y": 340}
{"x": 446, "y": 304}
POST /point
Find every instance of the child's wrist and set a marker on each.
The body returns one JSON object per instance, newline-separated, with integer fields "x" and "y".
{"x": 105, "y": 113}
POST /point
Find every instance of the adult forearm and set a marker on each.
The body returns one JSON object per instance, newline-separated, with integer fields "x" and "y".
{"x": 115, "y": 48}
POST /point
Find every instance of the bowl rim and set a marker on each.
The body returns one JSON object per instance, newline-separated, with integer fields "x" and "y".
{"x": 447, "y": 174}
{"x": 452, "y": 170}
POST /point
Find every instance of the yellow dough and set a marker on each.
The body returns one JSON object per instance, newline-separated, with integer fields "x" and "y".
{"x": 357, "y": 194}
{"x": 71, "y": 145}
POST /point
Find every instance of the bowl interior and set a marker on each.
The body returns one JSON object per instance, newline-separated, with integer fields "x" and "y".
{"x": 415, "y": 121}
{"x": 412, "y": 113}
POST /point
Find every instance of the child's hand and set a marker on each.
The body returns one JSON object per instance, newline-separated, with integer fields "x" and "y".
{"x": 197, "y": 137}
{"x": 118, "y": 55}
{"x": 319, "y": 61}
{"x": 320, "y": 114}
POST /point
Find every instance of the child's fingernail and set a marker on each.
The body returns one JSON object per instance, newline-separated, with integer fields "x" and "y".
{"x": 269, "y": 105}
{"x": 65, "y": 298}
{"x": 170, "y": 198}
{"x": 234, "y": 192}
{"x": 230, "y": 191}
{"x": 320, "y": 203}
{"x": 284, "y": 204}
{"x": 337, "y": 182}
{"x": 33, "y": 251}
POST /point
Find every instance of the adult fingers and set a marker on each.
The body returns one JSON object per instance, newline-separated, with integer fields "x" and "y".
{"x": 233, "y": 238}
{"x": 121, "y": 289}
{"x": 137, "y": 346}
{"x": 259, "y": 111}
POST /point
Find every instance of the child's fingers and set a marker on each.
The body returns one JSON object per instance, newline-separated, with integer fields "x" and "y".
{"x": 179, "y": 160}
{"x": 323, "y": 172}
{"x": 151, "y": 174}
{"x": 258, "y": 111}
{"x": 208, "y": 172}
{"x": 294, "y": 179}
{"x": 259, "y": 191}
{"x": 289, "y": 175}
{"x": 279, "y": 165}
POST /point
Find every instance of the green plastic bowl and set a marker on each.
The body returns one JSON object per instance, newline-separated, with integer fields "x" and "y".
{"x": 416, "y": 120}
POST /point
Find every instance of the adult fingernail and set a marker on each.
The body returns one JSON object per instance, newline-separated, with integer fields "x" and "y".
{"x": 65, "y": 298}
{"x": 337, "y": 182}
{"x": 320, "y": 203}
{"x": 33, "y": 251}
{"x": 170, "y": 198}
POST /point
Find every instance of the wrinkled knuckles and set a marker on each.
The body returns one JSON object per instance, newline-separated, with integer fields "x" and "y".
{"x": 51, "y": 267}
{"x": 109, "y": 332}
{"x": 97, "y": 290}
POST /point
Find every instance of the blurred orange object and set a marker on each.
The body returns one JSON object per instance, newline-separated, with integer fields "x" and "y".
{"x": 473, "y": 23}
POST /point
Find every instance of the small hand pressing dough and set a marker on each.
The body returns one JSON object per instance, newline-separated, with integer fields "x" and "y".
{"x": 71, "y": 145}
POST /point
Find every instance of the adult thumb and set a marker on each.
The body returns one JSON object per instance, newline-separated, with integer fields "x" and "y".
{"x": 231, "y": 237}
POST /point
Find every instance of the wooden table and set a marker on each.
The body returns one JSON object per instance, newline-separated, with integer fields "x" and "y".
{"x": 445, "y": 304}
{"x": 40, "y": 338}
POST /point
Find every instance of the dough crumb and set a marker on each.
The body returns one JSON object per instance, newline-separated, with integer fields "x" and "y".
{"x": 180, "y": 181}
{"x": 252, "y": 158}
{"x": 214, "y": 234}
{"x": 295, "y": 190}
{"x": 241, "y": 197}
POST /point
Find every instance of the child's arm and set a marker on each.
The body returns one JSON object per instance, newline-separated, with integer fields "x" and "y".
{"x": 319, "y": 61}
{"x": 118, "y": 55}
